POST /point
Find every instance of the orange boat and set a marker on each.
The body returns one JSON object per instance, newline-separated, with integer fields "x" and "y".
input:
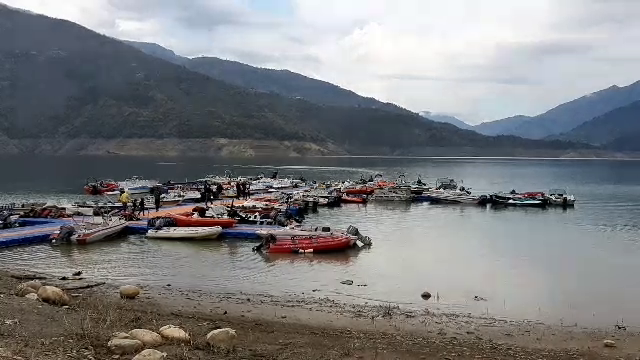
{"x": 353, "y": 200}
{"x": 359, "y": 191}
{"x": 306, "y": 243}
{"x": 187, "y": 220}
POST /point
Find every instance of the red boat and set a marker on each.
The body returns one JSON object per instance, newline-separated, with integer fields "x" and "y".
{"x": 359, "y": 191}
{"x": 307, "y": 243}
{"x": 187, "y": 220}
{"x": 353, "y": 200}
{"x": 96, "y": 187}
{"x": 533, "y": 195}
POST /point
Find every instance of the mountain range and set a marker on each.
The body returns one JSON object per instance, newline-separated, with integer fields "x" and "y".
{"x": 67, "y": 89}
{"x": 445, "y": 119}
{"x": 565, "y": 117}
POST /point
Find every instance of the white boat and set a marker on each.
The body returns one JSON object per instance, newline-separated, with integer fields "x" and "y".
{"x": 392, "y": 194}
{"x": 452, "y": 197}
{"x": 560, "y": 197}
{"x": 88, "y": 232}
{"x": 185, "y": 233}
{"x": 137, "y": 185}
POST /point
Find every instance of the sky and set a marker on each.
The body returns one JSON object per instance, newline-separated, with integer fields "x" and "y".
{"x": 478, "y": 60}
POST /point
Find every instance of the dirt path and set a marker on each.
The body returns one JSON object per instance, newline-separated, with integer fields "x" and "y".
{"x": 277, "y": 328}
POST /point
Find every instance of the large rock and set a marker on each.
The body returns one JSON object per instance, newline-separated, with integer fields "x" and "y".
{"x": 54, "y": 296}
{"x": 150, "y": 354}
{"x": 147, "y": 337}
{"x": 29, "y": 287}
{"x": 124, "y": 346}
{"x": 174, "y": 333}
{"x": 129, "y": 292}
{"x": 224, "y": 338}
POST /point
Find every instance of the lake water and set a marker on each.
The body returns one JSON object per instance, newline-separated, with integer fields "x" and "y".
{"x": 576, "y": 265}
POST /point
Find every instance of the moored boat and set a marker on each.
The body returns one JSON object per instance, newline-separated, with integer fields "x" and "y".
{"x": 87, "y": 233}
{"x": 514, "y": 200}
{"x": 307, "y": 243}
{"x": 353, "y": 200}
{"x": 392, "y": 194}
{"x": 185, "y": 233}
{"x": 99, "y": 187}
{"x": 559, "y": 197}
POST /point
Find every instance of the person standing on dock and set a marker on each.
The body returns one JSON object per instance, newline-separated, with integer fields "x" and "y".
{"x": 219, "y": 190}
{"x": 125, "y": 198}
{"x": 141, "y": 207}
{"x": 156, "y": 197}
{"x": 238, "y": 190}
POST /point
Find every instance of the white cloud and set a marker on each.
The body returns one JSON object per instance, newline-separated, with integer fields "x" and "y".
{"x": 483, "y": 59}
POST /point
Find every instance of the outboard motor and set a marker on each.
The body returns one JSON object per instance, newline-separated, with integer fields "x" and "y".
{"x": 5, "y": 220}
{"x": 64, "y": 235}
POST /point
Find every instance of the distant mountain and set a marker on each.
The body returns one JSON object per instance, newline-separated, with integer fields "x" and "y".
{"x": 614, "y": 129}
{"x": 446, "y": 119}
{"x": 503, "y": 126}
{"x": 282, "y": 82}
{"x": 567, "y": 116}
{"x": 64, "y": 87}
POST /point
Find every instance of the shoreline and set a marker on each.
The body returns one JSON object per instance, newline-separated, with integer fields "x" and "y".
{"x": 273, "y": 320}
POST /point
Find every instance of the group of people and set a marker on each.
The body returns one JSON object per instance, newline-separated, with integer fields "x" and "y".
{"x": 210, "y": 194}
{"x": 139, "y": 206}
{"x": 243, "y": 190}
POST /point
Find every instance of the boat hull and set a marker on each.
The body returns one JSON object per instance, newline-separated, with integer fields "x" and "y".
{"x": 185, "y": 233}
{"x": 311, "y": 244}
{"x": 186, "y": 220}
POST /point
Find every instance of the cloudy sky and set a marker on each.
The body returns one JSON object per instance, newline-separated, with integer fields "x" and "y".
{"x": 480, "y": 60}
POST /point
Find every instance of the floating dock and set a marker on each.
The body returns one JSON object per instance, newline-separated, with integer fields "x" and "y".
{"x": 37, "y": 231}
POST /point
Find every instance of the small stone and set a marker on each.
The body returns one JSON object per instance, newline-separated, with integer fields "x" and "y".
{"x": 32, "y": 296}
{"x": 147, "y": 337}
{"x": 124, "y": 346}
{"x": 224, "y": 338}
{"x": 120, "y": 335}
{"x": 174, "y": 333}
{"x": 609, "y": 343}
{"x": 150, "y": 354}
{"x": 53, "y": 295}
{"x": 425, "y": 295}
{"x": 346, "y": 282}
{"x": 129, "y": 292}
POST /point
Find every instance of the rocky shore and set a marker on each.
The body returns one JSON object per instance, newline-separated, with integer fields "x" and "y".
{"x": 268, "y": 327}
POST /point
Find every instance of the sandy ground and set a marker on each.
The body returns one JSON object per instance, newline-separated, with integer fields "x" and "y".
{"x": 268, "y": 327}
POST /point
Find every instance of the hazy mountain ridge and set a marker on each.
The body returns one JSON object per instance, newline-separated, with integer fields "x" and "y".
{"x": 617, "y": 129}
{"x": 565, "y": 117}
{"x": 63, "y": 86}
{"x": 282, "y": 82}
{"x": 446, "y": 119}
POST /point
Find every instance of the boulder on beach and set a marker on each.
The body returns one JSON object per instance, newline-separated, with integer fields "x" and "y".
{"x": 53, "y": 295}
{"x": 147, "y": 337}
{"x": 129, "y": 292}
{"x": 150, "y": 354}
{"x": 609, "y": 343}
{"x": 29, "y": 287}
{"x": 120, "y": 335}
{"x": 425, "y": 295}
{"x": 223, "y": 338}
{"x": 124, "y": 346}
{"x": 174, "y": 333}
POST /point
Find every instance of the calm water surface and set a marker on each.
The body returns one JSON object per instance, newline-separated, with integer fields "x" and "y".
{"x": 579, "y": 265}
